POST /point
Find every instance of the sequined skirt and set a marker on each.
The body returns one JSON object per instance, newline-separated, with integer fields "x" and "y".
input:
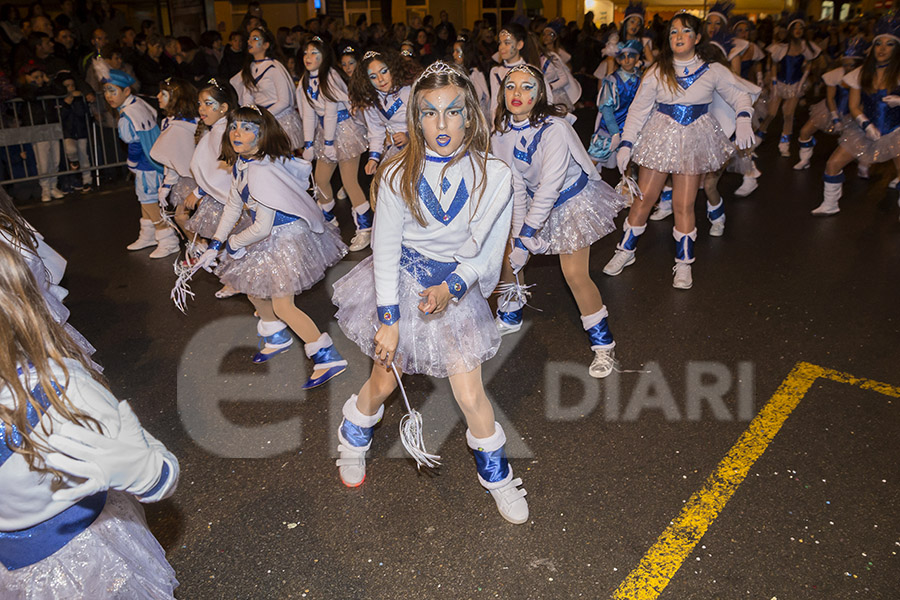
{"x": 582, "y": 219}
{"x": 456, "y": 340}
{"x": 790, "y": 90}
{"x": 181, "y": 190}
{"x": 669, "y": 147}
{"x": 115, "y": 558}
{"x": 291, "y": 259}
{"x": 289, "y": 119}
{"x": 207, "y": 215}
{"x": 854, "y": 140}
{"x": 350, "y": 141}
{"x": 741, "y": 161}
{"x": 820, "y": 116}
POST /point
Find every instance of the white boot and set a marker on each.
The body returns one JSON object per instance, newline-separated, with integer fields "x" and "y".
{"x": 830, "y": 200}
{"x": 806, "y": 153}
{"x": 355, "y": 428}
{"x": 167, "y": 243}
{"x": 146, "y": 238}
{"x": 747, "y": 186}
{"x": 491, "y": 461}
{"x": 784, "y": 146}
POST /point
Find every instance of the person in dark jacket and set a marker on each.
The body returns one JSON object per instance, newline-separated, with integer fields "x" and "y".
{"x": 39, "y": 111}
{"x": 73, "y": 116}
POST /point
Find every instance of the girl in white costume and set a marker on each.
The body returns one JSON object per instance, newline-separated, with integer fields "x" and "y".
{"x": 442, "y": 219}
{"x": 632, "y": 28}
{"x": 874, "y": 134}
{"x": 466, "y": 55}
{"x": 174, "y": 147}
{"x": 333, "y": 137}
{"x": 265, "y": 82}
{"x": 72, "y": 461}
{"x": 288, "y": 247}
{"x": 790, "y": 68}
{"x": 670, "y": 131}
{"x": 614, "y": 98}
{"x": 517, "y": 47}
{"x": 213, "y": 177}
{"x": 833, "y": 113}
{"x": 562, "y": 206}
{"x": 380, "y": 88}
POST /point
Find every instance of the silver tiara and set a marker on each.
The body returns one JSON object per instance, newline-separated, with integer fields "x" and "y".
{"x": 212, "y": 81}
{"x": 254, "y": 107}
{"x": 434, "y": 68}
{"x": 316, "y": 38}
{"x": 502, "y": 31}
{"x": 406, "y": 52}
{"x": 523, "y": 68}
{"x": 371, "y": 54}
{"x": 349, "y": 50}
{"x": 462, "y": 38}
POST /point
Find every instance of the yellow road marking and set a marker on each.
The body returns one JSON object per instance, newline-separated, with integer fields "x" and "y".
{"x": 665, "y": 557}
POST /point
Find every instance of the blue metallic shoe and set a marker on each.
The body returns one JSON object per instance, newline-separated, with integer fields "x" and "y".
{"x": 495, "y": 474}
{"x": 325, "y": 356}
{"x": 274, "y": 336}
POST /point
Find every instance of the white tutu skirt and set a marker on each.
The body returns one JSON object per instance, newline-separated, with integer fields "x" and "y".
{"x": 855, "y": 141}
{"x": 741, "y": 162}
{"x": 289, "y": 119}
{"x": 790, "y": 90}
{"x": 206, "y": 217}
{"x": 115, "y": 558}
{"x": 350, "y": 141}
{"x": 665, "y": 145}
{"x": 181, "y": 190}
{"x": 820, "y": 116}
{"x": 456, "y": 340}
{"x": 291, "y": 259}
{"x": 582, "y": 219}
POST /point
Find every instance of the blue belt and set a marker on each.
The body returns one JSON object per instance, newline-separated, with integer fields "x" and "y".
{"x": 342, "y": 115}
{"x": 426, "y": 271}
{"x": 281, "y": 218}
{"x": 567, "y": 193}
{"x": 684, "y": 114}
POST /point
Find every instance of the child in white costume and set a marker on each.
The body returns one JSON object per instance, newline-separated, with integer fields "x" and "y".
{"x": 286, "y": 250}
{"x": 380, "y": 89}
{"x": 442, "y": 219}
{"x": 516, "y": 48}
{"x": 614, "y": 98}
{"x": 333, "y": 137}
{"x": 266, "y": 82}
{"x": 561, "y": 205}
{"x": 174, "y": 148}
{"x": 671, "y": 131}
{"x": 466, "y": 55}
{"x": 72, "y": 459}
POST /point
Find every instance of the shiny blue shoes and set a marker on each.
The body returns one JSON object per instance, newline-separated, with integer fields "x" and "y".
{"x": 273, "y": 336}
{"x": 276, "y": 337}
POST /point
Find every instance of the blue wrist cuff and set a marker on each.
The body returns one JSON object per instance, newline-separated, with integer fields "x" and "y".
{"x": 456, "y": 285}
{"x": 229, "y": 249}
{"x": 743, "y": 113}
{"x": 376, "y": 156}
{"x": 329, "y": 142}
{"x": 625, "y": 144}
{"x": 389, "y": 314}
{"x": 163, "y": 478}
{"x": 307, "y": 145}
{"x": 518, "y": 244}
{"x": 215, "y": 245}
{"x": 527, "y": 231}
{"x": 200, "y": 192}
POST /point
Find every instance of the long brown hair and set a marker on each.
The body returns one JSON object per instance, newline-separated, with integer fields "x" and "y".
{"x": 403, "y": 170}
{"x": 665, "y": 65}
{"x": 182, "y": 98}
{"x": 530, "y": 51}
{"x": 271, "y": 142}
{"x": 273, "y": 51}
{"x": 14, "y": 226}
{"x": 325, "y": 69}
{"x": 362, "y": 93}
{"x": 542, "y": 106}
{"x": 30, "y": 337}
{"x": 869, "y": 68}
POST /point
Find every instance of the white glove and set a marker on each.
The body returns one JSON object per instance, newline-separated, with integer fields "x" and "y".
{"x": 517, "y": 258}
{"x": 535, "y": 245}
{"x": 126, "y": 463}
{"x": 872, "y": 133}
{"x": 743, "y": 133}
{"x": 331, "y": 153}
{"x": 163, "y": 196}
{"x": 309, "y": 154}
{"x": 892, "y": 100}
{"x": 235, "y": 254}
{"x": 623, "y": 157}
{"x": 207, "y": 260}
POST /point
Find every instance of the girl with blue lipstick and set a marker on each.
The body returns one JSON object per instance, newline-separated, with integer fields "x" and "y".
{"x": 874, "y": 133}
{"x": 333, "y": 137}
{"x": 380, "y": 89}
{"x": 561, "y": 205}
{"x": 264, "y": 81}
{"x": 791, "y": 62}
{"x": 679, "y": 124}
{"x": 288, "y": 247}
{"x": 442, "y": 219}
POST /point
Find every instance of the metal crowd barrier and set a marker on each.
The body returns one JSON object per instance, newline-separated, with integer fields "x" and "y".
{"x": 19, "y": 131}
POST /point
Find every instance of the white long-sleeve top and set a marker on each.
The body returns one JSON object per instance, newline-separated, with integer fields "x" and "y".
{"x": 545, "y": 159}
{"x": 483, "y": 92}
{"x": 27, "y": 497}
{"x": 389, "y": 115}
{"x": 267, "y": 187}
{"x": 566, "y": 89}
{"x": 459, "y": 226}
{"x": 212, "y": 175}
{"x": 174, "y": 148}
{"x": 496, "y": 81}
{"x": 274, "y": 89}
{"x": 314, "y": 106}
{"x": 717, "y": 79}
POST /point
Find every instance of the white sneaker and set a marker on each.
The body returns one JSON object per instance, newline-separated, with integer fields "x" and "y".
{"x": 506, "y": 328}
{"x": 167, "y": 243}
{"x": 511, "y": 502}
{"x": 683, "y": 279}
{"x": 341, "y": 194}
{"x": 662, "y": 210}
{"x": 57, "y": 193}
{"x": 147, "y": 237}
{"x": 361, "y": 240}
{"x": 717, "y": 228}
{"x": 747, "y": 186}
{"x": 620, "y": 260}
{"x": 352, "y": 465}
{"x": 45, "y": 197}
{"x": 604, "y": 361}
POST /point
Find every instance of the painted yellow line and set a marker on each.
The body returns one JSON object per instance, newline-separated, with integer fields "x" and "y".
{"x": 665, "y": 557}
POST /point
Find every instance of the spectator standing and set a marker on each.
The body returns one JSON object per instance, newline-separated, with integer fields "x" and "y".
{"x": 150, "y": 70}
{"x": 35, "y": 84}
{"x": 232, "y": 56}
{"x": 73, "y": 111}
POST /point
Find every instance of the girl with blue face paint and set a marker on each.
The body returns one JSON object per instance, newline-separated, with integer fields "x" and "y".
{"x": 286, "y": 249}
